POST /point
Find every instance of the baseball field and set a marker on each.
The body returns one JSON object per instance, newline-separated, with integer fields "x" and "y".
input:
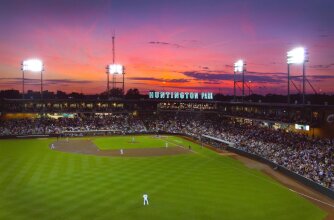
{"x": 89, "y": 178}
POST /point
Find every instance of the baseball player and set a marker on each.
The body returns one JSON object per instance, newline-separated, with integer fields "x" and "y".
{"x": 145, "y": 196}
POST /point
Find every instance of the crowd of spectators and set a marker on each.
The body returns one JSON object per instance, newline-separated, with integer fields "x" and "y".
{"x": 41, "y": 126}
{"x": 272, "y": 116}
{"x": 312, "y": 158}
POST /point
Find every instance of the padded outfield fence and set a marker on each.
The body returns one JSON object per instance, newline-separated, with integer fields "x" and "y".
{"x": 90, "y": 133}
{"x": 222, "y": 144}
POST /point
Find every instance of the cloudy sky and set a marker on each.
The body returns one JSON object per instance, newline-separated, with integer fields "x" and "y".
{"x": 166, "y": 44}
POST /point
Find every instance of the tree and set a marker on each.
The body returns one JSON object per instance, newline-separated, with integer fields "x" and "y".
{"x": 113, "y": 93}
{"x": 61, "y": 95}
{"x": 10, "y": 94}
{"x": 133, "y": 94}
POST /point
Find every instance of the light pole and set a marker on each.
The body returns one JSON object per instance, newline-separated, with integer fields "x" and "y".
{"x": 108, "y": 84}
{"x": 249, "y": 87}
{"x": 115, "y": 69}
{"x": 297, "y": 55}
{"x": 239, "y": 67}
{"x": 22, "y": 81}
{"x": 33, "y": 65}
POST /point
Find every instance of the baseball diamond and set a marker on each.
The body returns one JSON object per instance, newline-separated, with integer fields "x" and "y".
{"x": 86, "y": 177}
{"x": 166, "y": 110}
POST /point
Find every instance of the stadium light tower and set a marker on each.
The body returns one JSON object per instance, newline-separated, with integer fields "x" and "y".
{"x": 239, "y": 67}
{"x": 249, "y": 87}
{"x": 297, "y": 55}
{"x": 32, "y": 65}
{"x": 114, "y": 70}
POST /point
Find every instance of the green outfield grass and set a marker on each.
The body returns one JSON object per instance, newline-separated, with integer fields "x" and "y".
{"x": 124, "y": 142}
{"x": 38, "y": 183}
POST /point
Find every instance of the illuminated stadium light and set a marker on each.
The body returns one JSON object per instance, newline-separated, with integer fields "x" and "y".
{"x": 239, "y": 66}
{"x": 297, "y": 56}
{"x": 115, "y": 69}
{"x": 34, "y": 65}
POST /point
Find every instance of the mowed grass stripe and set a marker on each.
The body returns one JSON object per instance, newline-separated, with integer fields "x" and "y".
{"x": 193, "y": 186}
{"x": 125, "y": 142}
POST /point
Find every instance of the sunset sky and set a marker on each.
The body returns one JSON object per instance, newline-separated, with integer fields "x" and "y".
{"x": 186, "y": 45}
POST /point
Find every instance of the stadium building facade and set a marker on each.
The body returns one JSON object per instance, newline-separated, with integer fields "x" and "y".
{"x": 313, "y": 120}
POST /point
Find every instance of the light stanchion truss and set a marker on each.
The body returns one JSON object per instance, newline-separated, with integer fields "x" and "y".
{"x": 115, "y": 70}
{"x": 239, "y": 67}
{"x": 32, "y": 65}
{"x": 298, "y": 56}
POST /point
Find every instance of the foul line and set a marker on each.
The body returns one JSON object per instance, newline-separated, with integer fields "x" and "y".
{"x": 176, "y": 144}
{"x": 310, "y": 197}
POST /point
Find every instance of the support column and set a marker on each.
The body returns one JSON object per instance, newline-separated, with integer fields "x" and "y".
{"x": 22, "y": 84}
{"x": 41, "y": 84}
{"x": 304, "y": 82}
{"x": 234, "y": 92}
{"x": 288, "y": 83}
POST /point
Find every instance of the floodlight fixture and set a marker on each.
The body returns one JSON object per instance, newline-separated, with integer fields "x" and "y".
{"x": 116, "y": 69}
{"x": 239, "y": 66}
{"x": 297, "y": 56}
{"x": 33, "y": 65}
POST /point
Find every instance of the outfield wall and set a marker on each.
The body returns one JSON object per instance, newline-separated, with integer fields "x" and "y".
{"x": 286, "y": 172}
{"x": 299, "y": 178}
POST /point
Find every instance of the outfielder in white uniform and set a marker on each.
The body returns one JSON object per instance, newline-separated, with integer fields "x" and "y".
{"x": 145, "y": 196}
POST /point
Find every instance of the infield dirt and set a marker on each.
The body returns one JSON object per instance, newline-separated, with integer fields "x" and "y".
{"x": 88, "y": 147}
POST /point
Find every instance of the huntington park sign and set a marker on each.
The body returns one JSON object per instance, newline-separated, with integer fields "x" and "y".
{"x": 181, "y": 95}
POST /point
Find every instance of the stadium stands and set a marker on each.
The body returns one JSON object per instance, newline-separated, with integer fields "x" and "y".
{"x": 310, "y": 157}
